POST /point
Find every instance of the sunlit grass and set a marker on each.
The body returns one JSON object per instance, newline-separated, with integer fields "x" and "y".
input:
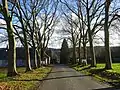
{"x": 24, "y": 81}
{"x": 112, "y": 76}
{"x": 115, "y": 67}
{"x": 80, "y": 68}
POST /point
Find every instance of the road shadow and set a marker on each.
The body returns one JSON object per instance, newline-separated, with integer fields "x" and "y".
{"x": 63, "y": 77}
{"x": 45, "y": 79}
{"x": 84, "y": 68}
{"x": 109, "y": 88}
{"x": 61, "y": 71}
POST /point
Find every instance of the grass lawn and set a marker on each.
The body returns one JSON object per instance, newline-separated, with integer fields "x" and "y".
{"x": 116, "y": 67}
{"x": 23, "y": 82}
{"x": 110, "y": 76}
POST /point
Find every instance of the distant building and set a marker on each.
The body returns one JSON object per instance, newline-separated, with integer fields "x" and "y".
{"x": 20, "y": 56}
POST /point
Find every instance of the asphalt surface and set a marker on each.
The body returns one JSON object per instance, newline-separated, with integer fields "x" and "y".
{"x": 65, "y": 78}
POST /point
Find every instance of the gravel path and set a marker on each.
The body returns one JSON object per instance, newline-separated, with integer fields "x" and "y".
{"x": 65, "y": 78}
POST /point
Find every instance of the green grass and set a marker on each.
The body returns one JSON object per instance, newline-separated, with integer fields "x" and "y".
{"x": 115, "y": 67}
{"x": 80, "y": 68}
{"x": 111, "y": 76}
{"x": 23, "y": 82}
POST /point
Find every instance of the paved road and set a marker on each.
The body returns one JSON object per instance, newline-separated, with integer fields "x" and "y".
{"x": 65, "y": 78}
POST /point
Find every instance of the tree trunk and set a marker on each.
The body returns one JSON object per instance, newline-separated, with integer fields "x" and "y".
{"x": 92, "y": 52}
{"x": 11, "y": 51}
{"x": 11, "y": 40}
{"x": 74, "y": 54}
{"x": 80, "y": 61}
{"x": 38, "y": 59}
{"x": 106, "y": 31}
{"x": 35, "y": 59}
{"x": 93, "y": 62}
{"x": 84, "y": 51}
{"x": 42, "y": 55}
{"x": 74, "y": 48}
{"x": 27, "y": 53}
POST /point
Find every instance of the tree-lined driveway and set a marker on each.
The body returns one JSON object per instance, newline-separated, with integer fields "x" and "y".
{"x": 64, "y": 78}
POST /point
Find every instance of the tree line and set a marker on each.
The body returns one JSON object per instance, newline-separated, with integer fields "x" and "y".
{"x": 84, "y": 19}
{"x": 30, "y": 22}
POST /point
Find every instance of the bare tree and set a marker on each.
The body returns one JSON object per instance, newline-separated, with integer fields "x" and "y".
{"x": 11, "y": 39}
{"x": 106, "y": 31}
{"x": 71, "y": 28}
{"x": 48, "y": 21}
{"x": 28, "y": 12}
{"x": 91, "y": 11}
{"x": 24, "y": 40}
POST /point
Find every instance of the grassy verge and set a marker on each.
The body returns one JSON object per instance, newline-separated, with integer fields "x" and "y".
{"x": 110, "y": 76}
{"x": 23, "y": 82}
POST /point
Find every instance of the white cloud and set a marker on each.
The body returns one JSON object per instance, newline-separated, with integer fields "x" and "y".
{"x": 2, "y": 21}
